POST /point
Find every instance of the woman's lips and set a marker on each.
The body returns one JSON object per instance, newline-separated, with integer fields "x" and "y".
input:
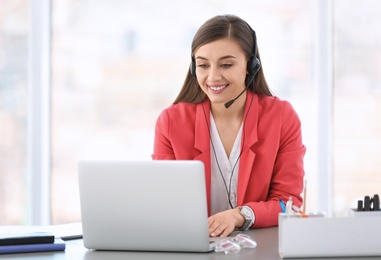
{"x": 217, "y": 88}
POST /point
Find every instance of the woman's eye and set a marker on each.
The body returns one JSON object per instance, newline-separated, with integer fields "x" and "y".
{"x": 226, "y": 65}
{"x": 202, "y": 65}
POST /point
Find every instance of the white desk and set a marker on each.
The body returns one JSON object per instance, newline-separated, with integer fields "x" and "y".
{"x": 267, "y": 240}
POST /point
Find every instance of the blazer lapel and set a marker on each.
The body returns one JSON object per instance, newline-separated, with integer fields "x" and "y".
{"x": 249, "y": 138}
{"x": 202, "y": 121}
{"x": 202, "y": 142}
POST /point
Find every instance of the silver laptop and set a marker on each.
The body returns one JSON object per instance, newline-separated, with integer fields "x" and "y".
{"x": 144, "y": 205}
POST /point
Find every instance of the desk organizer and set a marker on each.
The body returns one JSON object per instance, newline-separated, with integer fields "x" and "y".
{"x": 329, "y": 237}
{"x": 356, "y": 213}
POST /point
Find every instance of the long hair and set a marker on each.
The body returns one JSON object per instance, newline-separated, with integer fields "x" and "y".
{"x": 220, "y": 27}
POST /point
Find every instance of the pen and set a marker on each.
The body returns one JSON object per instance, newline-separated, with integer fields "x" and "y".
{"x": 305, "y": 196}
{"x": 283, "y": 206}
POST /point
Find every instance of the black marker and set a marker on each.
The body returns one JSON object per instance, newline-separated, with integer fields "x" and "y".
{"x": 367, "y": 203}
{"x": 376, "y": 203}
{"x": 360, "y": 205}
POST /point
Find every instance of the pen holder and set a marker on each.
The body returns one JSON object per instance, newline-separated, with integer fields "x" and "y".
{"x": 328, "y": 237}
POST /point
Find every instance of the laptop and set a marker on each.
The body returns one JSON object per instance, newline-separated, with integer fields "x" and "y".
{"x": 144, "y": 205}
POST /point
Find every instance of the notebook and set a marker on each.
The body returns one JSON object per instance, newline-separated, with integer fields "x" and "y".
{"x": 144, "y": 205}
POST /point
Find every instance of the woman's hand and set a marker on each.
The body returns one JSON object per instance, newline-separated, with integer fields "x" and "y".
{"x": 223, "y": 223}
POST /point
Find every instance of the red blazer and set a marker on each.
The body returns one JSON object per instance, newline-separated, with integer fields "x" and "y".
{"x": 271, "y": 164}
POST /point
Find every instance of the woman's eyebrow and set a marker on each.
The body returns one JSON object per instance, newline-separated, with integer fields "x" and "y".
{"x": 228, "y": 57}
{"x": 200, "y": 58}
{"x": 222, "y": 58}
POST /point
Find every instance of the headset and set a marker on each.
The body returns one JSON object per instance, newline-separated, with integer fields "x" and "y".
{"x": 253, "y": 64}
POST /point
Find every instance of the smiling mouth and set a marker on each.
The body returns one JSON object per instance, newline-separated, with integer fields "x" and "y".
{"x": 218, "y": 87}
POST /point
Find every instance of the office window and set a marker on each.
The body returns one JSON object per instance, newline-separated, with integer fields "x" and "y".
{"x": 357, "y": 102}
{"x": 13, "y": 109}
{"x": 117, "y": 64}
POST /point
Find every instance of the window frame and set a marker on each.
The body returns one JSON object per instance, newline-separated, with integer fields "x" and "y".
{"x": 38, "y": 172}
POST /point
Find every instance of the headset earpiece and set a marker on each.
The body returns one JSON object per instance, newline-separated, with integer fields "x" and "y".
{"x": 253, "y": 65}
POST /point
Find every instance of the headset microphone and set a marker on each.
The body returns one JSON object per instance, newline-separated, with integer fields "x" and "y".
{"x": 229, "y": 103}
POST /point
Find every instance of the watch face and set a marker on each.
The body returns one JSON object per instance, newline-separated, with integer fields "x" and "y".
{"x": 246, "y": 213}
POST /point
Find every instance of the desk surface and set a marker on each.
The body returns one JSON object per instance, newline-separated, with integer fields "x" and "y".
{"x": 267, "y": 240}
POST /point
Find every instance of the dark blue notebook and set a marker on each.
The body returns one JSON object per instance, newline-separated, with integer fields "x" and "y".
{"x": 58, "y": 245}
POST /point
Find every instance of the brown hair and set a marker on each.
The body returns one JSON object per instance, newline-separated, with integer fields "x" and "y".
{"x": 219, "y": 27}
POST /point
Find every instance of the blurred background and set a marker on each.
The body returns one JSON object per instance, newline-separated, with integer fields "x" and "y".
{"x": 114, "y": 65}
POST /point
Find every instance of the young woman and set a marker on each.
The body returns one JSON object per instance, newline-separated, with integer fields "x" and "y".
{"x": 226, "y": 116}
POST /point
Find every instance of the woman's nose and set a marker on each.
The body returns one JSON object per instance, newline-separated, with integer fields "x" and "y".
{"x": 214, "y": 73}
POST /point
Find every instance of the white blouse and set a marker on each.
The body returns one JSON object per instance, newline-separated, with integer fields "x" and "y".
{"x": 226, "y": 167}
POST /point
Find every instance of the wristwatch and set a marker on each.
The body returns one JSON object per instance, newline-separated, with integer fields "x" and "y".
{"x": 248, "y": 214}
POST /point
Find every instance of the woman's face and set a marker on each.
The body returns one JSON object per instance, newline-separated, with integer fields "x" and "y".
{"x": 221, "y": 68}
